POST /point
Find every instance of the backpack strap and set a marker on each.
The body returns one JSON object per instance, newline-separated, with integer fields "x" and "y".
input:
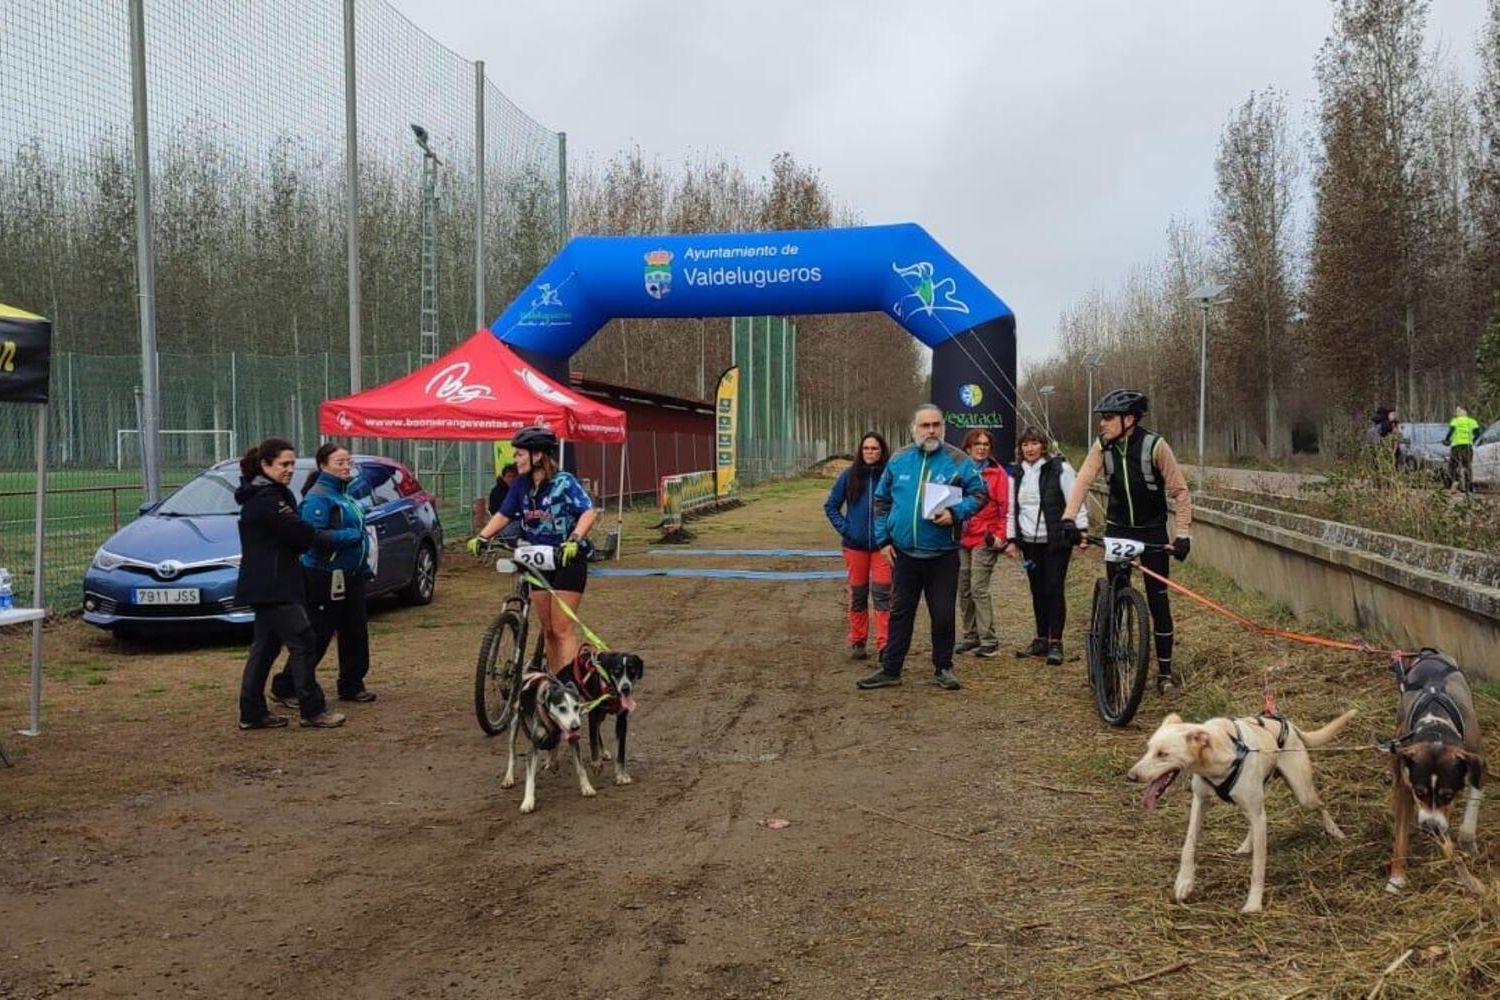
{"x": 1149, "y": 475}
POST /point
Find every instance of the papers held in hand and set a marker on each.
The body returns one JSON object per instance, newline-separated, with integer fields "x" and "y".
{"x": 939, "y": 497}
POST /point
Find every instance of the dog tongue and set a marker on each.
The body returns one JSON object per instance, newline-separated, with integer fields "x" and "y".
{"x": 1153, "y": 792}
{"x": 572, "y": 737}
{"x": 627, "y": 703}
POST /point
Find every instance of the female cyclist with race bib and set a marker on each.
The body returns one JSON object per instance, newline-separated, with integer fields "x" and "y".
{"x": 554, "y": 513}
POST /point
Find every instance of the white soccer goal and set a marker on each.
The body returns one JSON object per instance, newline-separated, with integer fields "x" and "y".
{"x": 222, "y": 444}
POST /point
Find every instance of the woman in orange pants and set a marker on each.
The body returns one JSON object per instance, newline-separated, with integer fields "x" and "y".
{"x": 851, "y": 510}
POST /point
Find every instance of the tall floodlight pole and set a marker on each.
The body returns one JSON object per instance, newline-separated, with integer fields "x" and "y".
{"x": 562, "y": 189}
{"x": 149, "y": 423}
{"x": 427, "y": 334}
{"x": 1046, "y": 392}
{"x": 1205, "y": 296}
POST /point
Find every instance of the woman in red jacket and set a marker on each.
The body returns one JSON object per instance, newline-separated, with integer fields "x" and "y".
{"x": 980, "y": 548}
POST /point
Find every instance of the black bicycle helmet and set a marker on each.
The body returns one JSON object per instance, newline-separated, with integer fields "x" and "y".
{"x": 1123, "y": 401}
{"x": 535, "y": 439}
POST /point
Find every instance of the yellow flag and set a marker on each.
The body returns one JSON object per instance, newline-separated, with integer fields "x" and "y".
{"x": 726, "y": 428}
{"x": 505, "y": 454}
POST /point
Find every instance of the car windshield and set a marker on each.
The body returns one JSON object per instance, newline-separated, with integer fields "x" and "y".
{"x": 210, "y": 492}
{"x": 1490, "y": 435}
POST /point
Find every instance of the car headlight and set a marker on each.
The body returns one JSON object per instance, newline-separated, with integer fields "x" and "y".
{"x": 107, "y": 560}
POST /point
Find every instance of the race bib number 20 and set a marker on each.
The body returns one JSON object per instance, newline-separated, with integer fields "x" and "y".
{"x": 542, "y": 557}
{"x": 1117, "y": 550}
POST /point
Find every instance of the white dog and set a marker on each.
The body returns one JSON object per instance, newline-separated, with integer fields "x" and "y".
{"x": 1233, "y": 759}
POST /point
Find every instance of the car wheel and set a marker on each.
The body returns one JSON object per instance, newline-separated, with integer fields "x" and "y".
{"x": 423, "y": 578}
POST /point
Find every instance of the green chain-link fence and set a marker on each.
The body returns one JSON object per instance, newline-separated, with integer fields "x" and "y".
{"x": 250, "y": 200}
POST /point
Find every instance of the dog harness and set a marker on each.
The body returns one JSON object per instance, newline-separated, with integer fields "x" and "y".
{"x": 1432, "y": 694}
{"x": 531, "y": 684}
{"x": 609, "y": 698}
{"x": 1224, "y": 789}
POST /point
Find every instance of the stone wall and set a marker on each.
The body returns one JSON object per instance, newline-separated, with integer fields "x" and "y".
{"x": 1393, "y": 590}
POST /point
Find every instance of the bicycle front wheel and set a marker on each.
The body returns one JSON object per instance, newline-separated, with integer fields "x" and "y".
{"x": 1124, "y": 655}
{"x": 497, "y": 675}
{"x": 1094, "y": 647}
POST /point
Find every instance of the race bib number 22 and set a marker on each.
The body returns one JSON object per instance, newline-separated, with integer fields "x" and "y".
{"x": 1118, "y": 550}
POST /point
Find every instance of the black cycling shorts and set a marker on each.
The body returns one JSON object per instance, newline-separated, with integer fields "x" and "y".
{"x": 573, "y": 577}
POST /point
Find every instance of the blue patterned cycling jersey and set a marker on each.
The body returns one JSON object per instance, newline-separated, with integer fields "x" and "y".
{"x": 547, "y": 514}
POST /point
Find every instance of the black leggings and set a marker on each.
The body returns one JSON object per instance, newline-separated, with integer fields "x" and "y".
{"x": 278, "y": 625}
{"x": 1158, "y": 561}
{"x": 1047, "y": 573}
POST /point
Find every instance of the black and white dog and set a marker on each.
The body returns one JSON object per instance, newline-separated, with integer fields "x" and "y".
{"x": 606, "y": 681}
{"x": 550, "y": 711}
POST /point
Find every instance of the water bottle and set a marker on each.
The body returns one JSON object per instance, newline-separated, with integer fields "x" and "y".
{"x": 7, "y": 593}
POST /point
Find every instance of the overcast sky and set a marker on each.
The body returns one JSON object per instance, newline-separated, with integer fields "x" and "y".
{"x": 1045, "y": 143}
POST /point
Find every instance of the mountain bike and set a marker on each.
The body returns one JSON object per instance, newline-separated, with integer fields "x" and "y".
{"x": 1118, "y": 647}
{"x": 502, "y": 652}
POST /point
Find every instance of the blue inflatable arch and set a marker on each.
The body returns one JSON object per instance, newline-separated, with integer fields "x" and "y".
{"x": 899, "y": 270}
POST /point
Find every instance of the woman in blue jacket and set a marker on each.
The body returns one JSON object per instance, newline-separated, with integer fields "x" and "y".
{"x": 338, "y": 579}
{"x": 850, "y": 509}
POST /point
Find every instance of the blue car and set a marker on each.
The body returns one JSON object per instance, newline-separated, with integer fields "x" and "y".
{"x": 177, "y": 564}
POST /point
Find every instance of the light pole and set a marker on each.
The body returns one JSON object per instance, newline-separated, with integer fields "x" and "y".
{"x": 1046, "y": 392}
{"x": 1205, "y": 295}
{"x": 427, "y": 328}
{"x": 1091, "y": 360}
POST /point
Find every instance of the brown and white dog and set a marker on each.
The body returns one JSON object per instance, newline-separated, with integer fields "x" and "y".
{"x": 1436, "y": 753}
{"x": 1233, "y": 759}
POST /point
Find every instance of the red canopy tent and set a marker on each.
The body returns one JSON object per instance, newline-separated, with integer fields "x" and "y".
{"x": 479, "y": 391}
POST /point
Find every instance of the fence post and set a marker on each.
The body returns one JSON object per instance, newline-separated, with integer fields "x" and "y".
{"x": 145, "y": 258}
{"x": 479, "y": 194}
{"x": 234, "y": 397}
{"x": 351, "y": 221}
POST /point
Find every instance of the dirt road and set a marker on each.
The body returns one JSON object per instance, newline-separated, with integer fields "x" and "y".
{"x": 977, "y": 844}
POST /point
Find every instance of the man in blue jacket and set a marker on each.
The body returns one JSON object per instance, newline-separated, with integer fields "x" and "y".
{"x": 923, "y": 550}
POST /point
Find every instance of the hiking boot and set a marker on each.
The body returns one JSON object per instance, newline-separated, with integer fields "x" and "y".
{"x": 1038, "y": 647}
{"x": 1167, "y": 685}
{"x": 324, "y": 720}
{"x": 267, "y": 721}
{"x": 362, "y": 695}
{"x": 988, "y": 649}
{"x": 857, "y": 651}
{"x": 879, "y": 679}
{"x": 1054, "y": 655}
{"x": 285, "y": 701}
{"x": 945, "y": 680}
{"x": 967, "y": 646}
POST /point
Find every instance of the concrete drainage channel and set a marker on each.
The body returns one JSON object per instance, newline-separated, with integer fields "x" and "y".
{"x": 1392, "y": 589}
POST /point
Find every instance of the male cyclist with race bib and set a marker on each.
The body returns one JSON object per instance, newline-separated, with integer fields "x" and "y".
{"x": 554, "y": 512}
{"x": 1142, "y": 473}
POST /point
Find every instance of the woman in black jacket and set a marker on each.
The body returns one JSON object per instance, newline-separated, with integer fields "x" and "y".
{"x": 1039, "y": 492}
{"x": 272, "y": 538}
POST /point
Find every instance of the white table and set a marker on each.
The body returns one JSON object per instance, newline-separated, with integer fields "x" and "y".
{"x": 15, "y": 616}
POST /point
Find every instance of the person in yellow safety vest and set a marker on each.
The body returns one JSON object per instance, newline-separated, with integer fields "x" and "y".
{"x": 1460, "y": 442}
